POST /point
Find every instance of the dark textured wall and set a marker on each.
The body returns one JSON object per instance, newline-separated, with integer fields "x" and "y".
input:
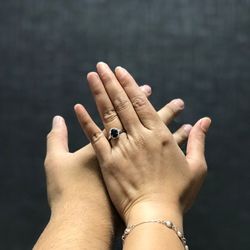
{"x": 196, "y": 50}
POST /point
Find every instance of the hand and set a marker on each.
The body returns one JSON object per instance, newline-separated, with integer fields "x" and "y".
{"x": 144, "y": 168}
{"x": 76, "y": 192}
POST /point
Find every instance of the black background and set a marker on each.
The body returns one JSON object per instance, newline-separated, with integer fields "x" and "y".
{"x": 196, "y": 50}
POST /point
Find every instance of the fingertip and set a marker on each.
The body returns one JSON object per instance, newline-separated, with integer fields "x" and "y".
{"x": 57, "y": 121}
{"x": 91, "y": 75}
{"x": 178, "y": 102}
{"x": 100, "y": 63}
{"x": 205, "y": 123}
{"x": 187, "y": 128}
{"x": 117, "y": 68}
{"x": 120, "y": 71}
{"x": 196, "y": 140}
{"x": 101, "y": 67}
{"x": 57, "y": 138}
{"x": 146, "y": 89}
{"x": 78, "y": 107}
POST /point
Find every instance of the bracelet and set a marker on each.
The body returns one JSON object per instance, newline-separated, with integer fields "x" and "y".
{"x": 166, "y": 223}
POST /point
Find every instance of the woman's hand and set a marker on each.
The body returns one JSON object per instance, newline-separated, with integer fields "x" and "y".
{"x": 146, "y": 173}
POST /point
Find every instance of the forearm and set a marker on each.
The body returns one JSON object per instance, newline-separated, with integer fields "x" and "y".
{"x": 75, "y": 226}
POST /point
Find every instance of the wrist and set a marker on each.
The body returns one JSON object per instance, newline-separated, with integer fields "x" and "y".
{"x": 73, "y": 224}
{"x": 146, "y": 233}
{"x": 146, "y": 211}
{"x": 77, "y": 200}
{"x": 82, "y": 211}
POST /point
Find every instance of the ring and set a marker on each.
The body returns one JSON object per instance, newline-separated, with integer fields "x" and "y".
{"x": 114, "y": 133}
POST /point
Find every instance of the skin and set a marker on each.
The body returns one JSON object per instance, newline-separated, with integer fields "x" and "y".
{"x": 145, "y": 172}
{"x": 81, "y": 212}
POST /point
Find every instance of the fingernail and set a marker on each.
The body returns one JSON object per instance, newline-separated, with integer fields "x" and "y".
{"x": 101, "y": 66}
{"x": 205, "y": 124}
{"x": 187, "y": 128}
{"x": 180, "y": 103}
{"x": 57, "y": 120}
{"x": 147, "y": 89}
{"x": 121, "y": 70}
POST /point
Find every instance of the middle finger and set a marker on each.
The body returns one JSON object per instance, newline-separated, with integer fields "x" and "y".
{"x": 118, "y": 97}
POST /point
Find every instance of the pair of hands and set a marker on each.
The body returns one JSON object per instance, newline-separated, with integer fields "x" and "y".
{"x": 145, "y": 172}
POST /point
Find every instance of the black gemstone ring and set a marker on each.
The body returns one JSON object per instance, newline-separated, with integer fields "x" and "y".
{"x": 114, "y": 133}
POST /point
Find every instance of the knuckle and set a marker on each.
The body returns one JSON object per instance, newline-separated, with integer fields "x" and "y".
{"x": 165, "y": 138}
{"x": 138, "y": 101}
{"x": 106, "y": 77}
{"x": 51, "y": 135}
{"x": 121, "y": 103}
{"x": 85, "y": 122}
{"x": 109, "y": 115}
{"x": 97, "y": 91}
{"x": 109, "y": 166}
{"x": 123, "y": 79}
{"x": 96, "y": 137}
{"x": 202, "y": 167}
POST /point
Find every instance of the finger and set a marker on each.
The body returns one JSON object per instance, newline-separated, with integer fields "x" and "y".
{"x": 118, "y": 97}
{"x": 57, "y": 139}
{"x": 196, "y": 143}
{"x": 145, "y": 111}
{"x": 171, "y": 110}
{"x": 94, "y": 134}
{"x": 182, "y": 134}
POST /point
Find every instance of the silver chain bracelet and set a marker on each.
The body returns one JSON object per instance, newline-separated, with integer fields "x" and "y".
{"x": 167, "y": 223}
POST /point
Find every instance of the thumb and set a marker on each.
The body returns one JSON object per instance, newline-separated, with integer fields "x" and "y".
{"x": 195, "y": 154}
{"x": 57, "y": 139}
